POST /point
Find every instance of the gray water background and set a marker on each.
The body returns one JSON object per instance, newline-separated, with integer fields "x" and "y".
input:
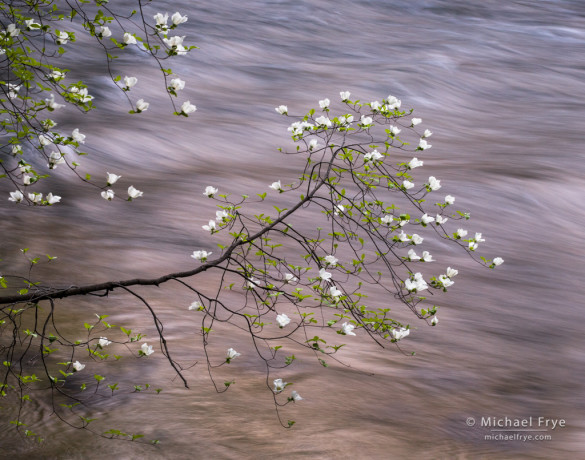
{"x": 500, "y": 84}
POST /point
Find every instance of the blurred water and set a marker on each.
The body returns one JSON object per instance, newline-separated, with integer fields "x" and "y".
{"x": 501, "y": 85}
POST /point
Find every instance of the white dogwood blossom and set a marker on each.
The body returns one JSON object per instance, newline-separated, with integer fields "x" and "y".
{"x": 344, "y": 95}
{"x": 434, "y": 183}
{"x": 407, "y": 184}
{"x": 324, "y": 104}
{"x": 416, "y": 121}
{"x": 187, "y": 108}
{"x": 210, "y": 227}
{"x": 104, "y": 342}
{"x": 399, "y": 333}
{"x": 210, "y": 191}
{"x": 146, "y": 349}
{"x": 129, "y": 39}
{"x": 231, "y": 354}
{"x": 52, "y": 199}
{"x": 498, "y": 261}
{"x": 423, "y": 145}
{"x": 108, "y": 195}
{"x": 276, "y": 186}
{"x": 177, "y": 18}
{"x": 196, "y": 306}
{"x": 282, "y": 109}
{"x": 279, "y": 385}
{"x": 17, "y": 196}
{"x": 449, "y": 199}
{"x": 130, "y": 81}
{"x": 141, "y": 105}
{"x": 347, "y": 329}
{"x": 324, "y": 275}
{"x": 415, "y": 163}
{"x": 201, "y": 255}
{"x": 78, "y": 366}
{"x": 177, "y": 84}
{"x": 134, "y": 193}
{"x": 282, "y": 320}
{"x": 112, "y": 178}
{"x": 331, "y": 260}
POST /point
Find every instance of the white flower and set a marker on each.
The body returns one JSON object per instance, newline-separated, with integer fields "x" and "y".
{"x": 276, "y": 186}
{"x": 347, "y": 329}
{"x": 334, "y": 292}
{"x": 399, "y": 333}
{"x": 130, "y": 81}
{"x": 427, "y": 257}
{"x": 412, "y": 256}
{"x": 31, "y": 24}
{"x": 210, "y": 227}
{"x": 403, "y": 236}
{"x": 177, "y": 84}
{"x": 77, "y": 136}
{"x": 141, "y": 106}
{"x": 231, "y": 354}
{"x": 387, "y": 219}
{"x": 451, "y": 272}
{"x": 339, "y": 209}
{"x": 313, "y": 144}
{"x": 478, "y": 238}
{"x": 188, "y": 108}
{"x": 407, "y": 184}
{"x": 498, "y": 261}
{"x": 252, "y": 283}
{"x": 105, "y": 32}
{"x": 395, "y": 130}
{"x": 12, "y": 30}
{"x": 434, "y": 321}
{"x": 112, "y": 178}
{"x": 62, "y": 38}
{"x": 324, "y": 103}
{"x": 161, "y": 20}
{"x": 416, "y": 121}
{"x": 434, "y": 183}
{"x": 36, "y": 198}
{"x": 108, "y": 195}
{"x": 210, "y": 191}
{"x": 221, "y": 216}
{"x": 373, "y": 156}
{"x": 134, "y": 193}
{"x": 473, "y": 246}
{"x": 196, "y": 306}
{"x": 16, "y": 149}
{"x": 416, "y": 283}
{"x": 323, "y": 121}
{"x": 52, "y": 199}
{"x": 423, "y": 145}
{"x": 324, "y": 275}
{"x": 78, "y": 366}
{"x": 449, "y": 199}
{"x": 446, "y": 281}
{"x": 146, "y": 349}
{"x": 290, "y": 278}
{"x": 365, "y": 121}
{"x": 441, "y": 220}
{"x": 17, "y": 196}
{"x": 282, "y": 320}
{"x": 178, "y": 19}
{"x": 375, "y": 106}
{"x": 295, "y": 396}
{"x": 427, "y": 133}
{"x": 393, "y": 103}
{"x": 426, "y": 219}
{"x": 282, "y": 109}
{"x": 461, "y": 233}
{"x": 129, "y": 39}
{"x": 344, "y": 95}
{"x": 331, "y": 260}
{"x": 27, "y": 180}
{"x": 104, "y": 342}
{"x": 176, "y": 43}
{"x": 415, "y": 163}
{"x": 44, "y": 140}
{"x": 201, "y": 255}
{"x": 416, "y": 239}
{"x": 279, "y": 385}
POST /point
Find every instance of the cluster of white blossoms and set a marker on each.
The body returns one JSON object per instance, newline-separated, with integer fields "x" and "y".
{"x": 109, "y": 194}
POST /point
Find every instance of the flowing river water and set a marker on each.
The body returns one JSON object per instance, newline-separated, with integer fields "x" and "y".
{"x": 502, "y": 87}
